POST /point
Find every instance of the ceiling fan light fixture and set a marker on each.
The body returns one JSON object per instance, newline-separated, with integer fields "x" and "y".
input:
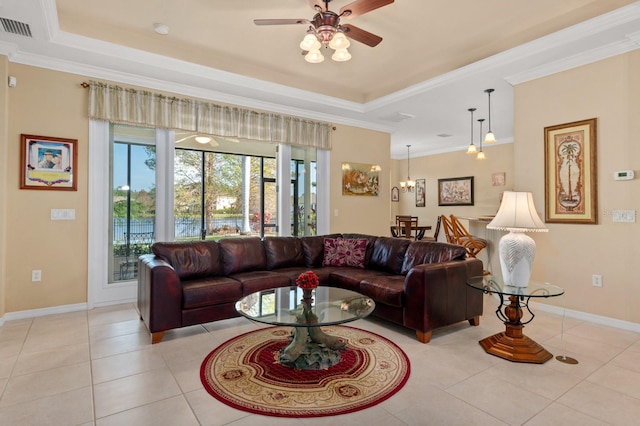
{"x": 203, "y": 139}
{"x": 314, "y": 56}
{"x": 310, "y": 42}
{"x": 339, "y": 41}
{"x": 341, "y": 55}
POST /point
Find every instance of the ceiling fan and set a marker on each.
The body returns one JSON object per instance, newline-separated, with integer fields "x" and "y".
{"x": 325, "y": 28}
{"x": 203, "y": 139}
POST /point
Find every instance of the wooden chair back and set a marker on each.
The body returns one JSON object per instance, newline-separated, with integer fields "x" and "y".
{"x": 448, "y": 230}
{"x": 436, "y": 232}
{"x": 464, "y": 238}
{"x": 408, "y": 227}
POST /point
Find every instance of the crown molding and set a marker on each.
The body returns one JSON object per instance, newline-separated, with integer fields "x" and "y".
{"x": 537, "y": 48}
{"x": 570, "y": 62}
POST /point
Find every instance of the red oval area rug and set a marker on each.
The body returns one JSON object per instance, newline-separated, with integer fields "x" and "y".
{"x": 244, "y": 373}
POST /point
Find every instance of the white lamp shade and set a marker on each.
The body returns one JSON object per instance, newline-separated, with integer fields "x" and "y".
{"x": 517, "y": 213}
{"x": 310, "y": 42}
{"x": 472, "y": 149}
{"x": 339, "y": 41}
{"x": 314, "y": 57}
{"x": 490, "y": 137}
{"x": 481, "y": 156}
{"x": 341, "y": 55}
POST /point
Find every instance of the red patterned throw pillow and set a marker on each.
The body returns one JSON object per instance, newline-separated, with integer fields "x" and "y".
{"x": 344, "y": 252}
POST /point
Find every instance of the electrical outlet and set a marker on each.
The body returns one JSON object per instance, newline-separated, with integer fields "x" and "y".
{"x": 36, "y": 275}
{"x": 596, "y": 280}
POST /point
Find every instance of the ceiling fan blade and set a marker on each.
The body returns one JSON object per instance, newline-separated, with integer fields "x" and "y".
{"x": 280, "y": 21}
{"x": 358, "y": 34}
{"x": 185, "y": 138}
{"x": 360, "y": 7}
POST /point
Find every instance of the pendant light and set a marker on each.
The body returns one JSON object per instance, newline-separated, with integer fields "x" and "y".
{"x": 490, "y": 137}
{"x": 408, "y": 185}
{"x": 481, "y": 155}
{"x": 472, "y": 148}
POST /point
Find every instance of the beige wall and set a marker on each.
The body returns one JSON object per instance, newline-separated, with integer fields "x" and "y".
{"x": 362, "y": 214}
{"x": 450, "y": 165}
{"x": 50, "y": 103}
{"x": 45, "y": 103}
{"x": 569, "y": 254}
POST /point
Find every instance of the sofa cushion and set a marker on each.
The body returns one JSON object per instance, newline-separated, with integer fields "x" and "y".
{"x": 344, "y": 252}
{"x": 260, "y": 280}
{"x": 388, "y": 254}
{"x": 192, "y": 259}
{"x": 283, "y": 252}
{"x": 313, "y": 247}
{"x": 387, "y": 289}
{"x": 420, "y": 252}
{"x": 210, "y": 291}
{"x": 242, "y": 254}
{"x": 350, "y": 278}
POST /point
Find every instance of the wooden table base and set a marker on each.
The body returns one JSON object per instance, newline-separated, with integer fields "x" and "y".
{"x": 513, "y": 345}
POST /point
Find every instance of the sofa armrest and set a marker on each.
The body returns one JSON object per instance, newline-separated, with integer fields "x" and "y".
{"x": 159, "y": 294}
{"x": 436, "y": 294}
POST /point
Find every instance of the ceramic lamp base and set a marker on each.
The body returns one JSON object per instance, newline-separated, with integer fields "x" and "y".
{"x": 517, "y": 251}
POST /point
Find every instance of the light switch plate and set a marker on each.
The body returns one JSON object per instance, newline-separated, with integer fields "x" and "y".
{"x": 628, "y": 216}
{"x": 63, "y": 214}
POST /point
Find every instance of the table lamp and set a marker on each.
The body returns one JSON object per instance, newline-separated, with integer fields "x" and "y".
{"x": 517, "y": 214}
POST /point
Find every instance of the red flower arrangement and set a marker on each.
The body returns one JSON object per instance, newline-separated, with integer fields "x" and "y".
{"x": 307, "y": 280}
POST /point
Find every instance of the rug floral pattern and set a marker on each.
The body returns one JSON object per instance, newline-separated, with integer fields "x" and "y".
{"x": 244, "y": 373}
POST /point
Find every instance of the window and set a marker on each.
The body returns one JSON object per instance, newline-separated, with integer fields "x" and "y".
{"x": 132, "y": 199}
{"x": 135, "y": 196}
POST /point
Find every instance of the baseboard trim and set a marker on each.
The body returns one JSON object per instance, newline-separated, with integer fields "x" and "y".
{"x": 584, "y": 316}
{"x": 32, "y": 313}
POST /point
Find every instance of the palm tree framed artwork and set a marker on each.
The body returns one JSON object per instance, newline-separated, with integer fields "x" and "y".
{"x": 570, "y": 172}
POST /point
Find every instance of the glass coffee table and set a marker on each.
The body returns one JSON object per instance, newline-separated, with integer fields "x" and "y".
{"x": 310, "y": 348}
{"x": 512, "y": 344}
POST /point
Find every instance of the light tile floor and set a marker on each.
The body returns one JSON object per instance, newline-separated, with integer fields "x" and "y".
{"x": 98, "y": 367}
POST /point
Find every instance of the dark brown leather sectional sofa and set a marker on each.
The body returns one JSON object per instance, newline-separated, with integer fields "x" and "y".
{"x": 420, "y": 285}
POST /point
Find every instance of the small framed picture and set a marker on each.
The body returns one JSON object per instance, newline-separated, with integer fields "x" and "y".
{"x": 48, "y": 163}
{"x": 395, "y": 194}
{"x": 420, "y": 192}
{"x": 498, "y": 179}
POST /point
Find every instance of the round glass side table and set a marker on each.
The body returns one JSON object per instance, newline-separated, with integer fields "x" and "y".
{"x": 512, "y": 344}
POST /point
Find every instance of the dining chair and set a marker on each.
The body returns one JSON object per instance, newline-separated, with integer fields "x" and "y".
{"x": 448, "y": 229}
{"x": 407, "y": 226}
{"x": 436, "y": 232}
{"x": 472, "y": 244}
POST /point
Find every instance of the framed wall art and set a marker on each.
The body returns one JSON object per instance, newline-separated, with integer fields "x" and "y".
{"x": 395, "y": 194}
{"x": 455, "y": 191}
{"x": 48, "y": 163}
{"x": 570, "y": 173}
{"x": 420, "y": 192}
{"x": 498, "y": 179}
{"x": 360, "y": 179}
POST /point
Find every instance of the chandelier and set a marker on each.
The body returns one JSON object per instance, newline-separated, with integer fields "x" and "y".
{"x": 409, "y": 184}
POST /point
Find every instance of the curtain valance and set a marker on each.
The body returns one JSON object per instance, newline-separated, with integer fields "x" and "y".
{"x": 140, "y": 107}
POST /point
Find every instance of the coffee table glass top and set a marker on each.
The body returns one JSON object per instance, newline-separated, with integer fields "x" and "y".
{"x": 491, "y": 284}
{"x": 283, "y": 306}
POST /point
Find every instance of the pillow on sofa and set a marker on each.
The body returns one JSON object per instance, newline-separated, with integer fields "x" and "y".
{"x": 344, "y": 252}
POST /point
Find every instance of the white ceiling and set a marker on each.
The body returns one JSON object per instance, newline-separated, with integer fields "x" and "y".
{"x": 435, "y": 60}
